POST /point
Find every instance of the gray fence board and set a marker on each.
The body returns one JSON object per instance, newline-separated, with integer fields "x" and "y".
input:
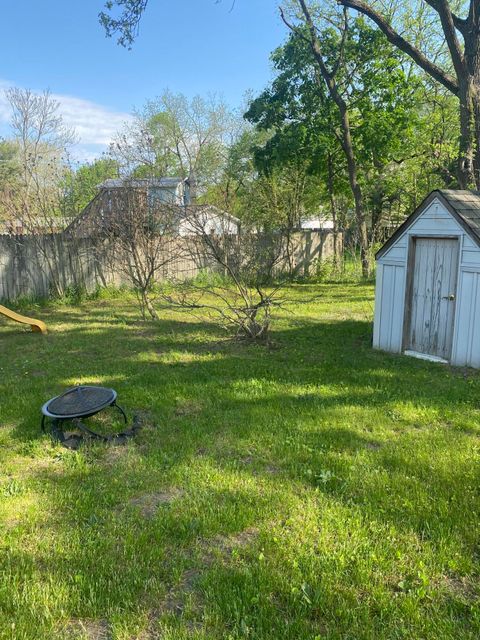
{"x": 39, "y": 265}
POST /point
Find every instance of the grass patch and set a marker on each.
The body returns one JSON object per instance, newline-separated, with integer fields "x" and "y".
{"x": 314, "y": 489}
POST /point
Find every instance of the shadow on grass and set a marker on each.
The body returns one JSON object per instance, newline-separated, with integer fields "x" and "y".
{"x": 374, "y": 432}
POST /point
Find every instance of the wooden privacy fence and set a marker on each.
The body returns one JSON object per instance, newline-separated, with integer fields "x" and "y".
{"x": 43, "y": 265}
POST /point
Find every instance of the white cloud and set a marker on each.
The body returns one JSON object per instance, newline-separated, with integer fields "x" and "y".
{"x": 94, "y": 124}
{"x": 81, "y": 153}
{"x": 4, "y": 108}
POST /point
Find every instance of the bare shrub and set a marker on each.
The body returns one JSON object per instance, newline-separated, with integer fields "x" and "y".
{"x": 238, "y": 286}
{"x": 141, "y": 236}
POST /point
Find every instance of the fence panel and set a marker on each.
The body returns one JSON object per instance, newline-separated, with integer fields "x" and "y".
{"x": 44, "y": 265}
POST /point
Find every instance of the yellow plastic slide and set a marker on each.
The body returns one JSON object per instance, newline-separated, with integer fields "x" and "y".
{"x": 37, "y": 325}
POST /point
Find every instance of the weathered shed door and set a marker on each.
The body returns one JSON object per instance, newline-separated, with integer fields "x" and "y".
{"x": 432, "y": 296}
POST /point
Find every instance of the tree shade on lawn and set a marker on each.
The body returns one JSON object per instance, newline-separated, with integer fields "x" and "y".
{"x": 314, "y": 489}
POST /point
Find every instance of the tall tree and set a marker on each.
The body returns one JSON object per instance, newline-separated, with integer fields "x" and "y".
{"x": 41, "y": 141}
{"x": 37, "y": 195}
{"x": 175, "y": 136}
{"x": 329, "y": 75}
{"x": 383, "y": 103}
{"x": 462, "y": 37}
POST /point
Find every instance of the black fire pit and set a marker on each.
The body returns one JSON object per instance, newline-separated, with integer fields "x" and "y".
{"x": 76, "y": 403}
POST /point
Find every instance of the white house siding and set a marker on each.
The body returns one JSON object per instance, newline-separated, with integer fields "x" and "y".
{"x": 209, "y": 222}
{"x": 436, "y": 221}
{"x": 173, "y": 195}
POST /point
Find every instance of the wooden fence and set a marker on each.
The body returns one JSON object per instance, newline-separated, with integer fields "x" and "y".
{"x": 43, "y": 265}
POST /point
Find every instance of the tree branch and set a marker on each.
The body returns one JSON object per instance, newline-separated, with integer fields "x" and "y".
{"x": 446, "y": 18}
{"x": 448, "y": 81}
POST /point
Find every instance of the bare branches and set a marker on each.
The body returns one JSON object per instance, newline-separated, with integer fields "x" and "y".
{"x": 176, "y": 136}
{"x": 34, "y": 200}
{"x": 446, "y": 18}
{"x": 141, "y": 233}
{"x": 239, "y": 270}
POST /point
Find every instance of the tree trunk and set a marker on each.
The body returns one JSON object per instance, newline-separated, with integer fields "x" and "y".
{"x": 346, "y": 136}
{"x": 472, "y": 69}
{"x": 333, "y": 209}
{"x": 355, "y": 187}
{"x": 147, "y": 304}
{"x": 468, "y": 150}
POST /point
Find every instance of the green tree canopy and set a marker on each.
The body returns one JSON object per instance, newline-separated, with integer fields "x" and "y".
{"x": 382, "y": 96}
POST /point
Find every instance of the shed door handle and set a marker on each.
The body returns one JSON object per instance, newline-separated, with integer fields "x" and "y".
{"x": 451, "y": 296}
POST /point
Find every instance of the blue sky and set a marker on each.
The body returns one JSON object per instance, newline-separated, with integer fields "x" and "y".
{"x": 190, "y": 46}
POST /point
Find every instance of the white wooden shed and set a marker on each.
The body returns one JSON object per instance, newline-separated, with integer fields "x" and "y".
{"x": 427, "y": 298}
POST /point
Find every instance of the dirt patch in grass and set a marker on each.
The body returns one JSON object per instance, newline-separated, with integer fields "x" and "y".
{"x": 373, "y": 445}
{"x": 88, "y": 630}
{"x": 175, "y": 601}
{"x": 268, "y": 469}
{"x": 144, "y": 418}
{"x": 463, "y": 372}
{"x": 116, "y": 450}
{"x": 144, "y": 333}
{"x": 223, "y": 546}
{"x": 148, "y": 503}
{"x": 173, "y": 604}
{"x": 187, "y": 408}
{"x": 114, "y": 454}
{"x": 38, "y": 466}
{"x": 272, "y": 470}
{"x": 459, "y": 587}
{"x": 37, "y": 373}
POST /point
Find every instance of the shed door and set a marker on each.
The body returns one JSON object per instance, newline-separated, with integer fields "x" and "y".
{"x": 433, "y": 293}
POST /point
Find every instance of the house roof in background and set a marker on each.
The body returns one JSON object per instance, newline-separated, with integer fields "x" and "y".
{"x": 162, "y": 183}
{"x": 464, "y": 205}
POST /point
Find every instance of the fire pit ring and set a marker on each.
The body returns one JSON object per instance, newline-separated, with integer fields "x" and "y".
{"x": 78, "y": 402}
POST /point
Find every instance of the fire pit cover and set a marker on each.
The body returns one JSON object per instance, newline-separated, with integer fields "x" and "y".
{"x": 79, "y": 402}
{"x": 83, "y": 402}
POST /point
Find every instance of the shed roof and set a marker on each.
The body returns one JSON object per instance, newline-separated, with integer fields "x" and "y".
{"x": 464, "y": 205}
{"x": 163, "y": 183}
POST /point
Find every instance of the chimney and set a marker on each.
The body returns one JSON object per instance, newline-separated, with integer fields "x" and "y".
{"x": 191, "y": 197}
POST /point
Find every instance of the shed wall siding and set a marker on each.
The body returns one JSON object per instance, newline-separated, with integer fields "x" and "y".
{"x": 466, "y": 338}
{"x": 389, "y": 307}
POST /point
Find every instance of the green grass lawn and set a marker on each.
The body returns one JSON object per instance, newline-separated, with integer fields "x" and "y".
{"x": 314, "y": 489}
